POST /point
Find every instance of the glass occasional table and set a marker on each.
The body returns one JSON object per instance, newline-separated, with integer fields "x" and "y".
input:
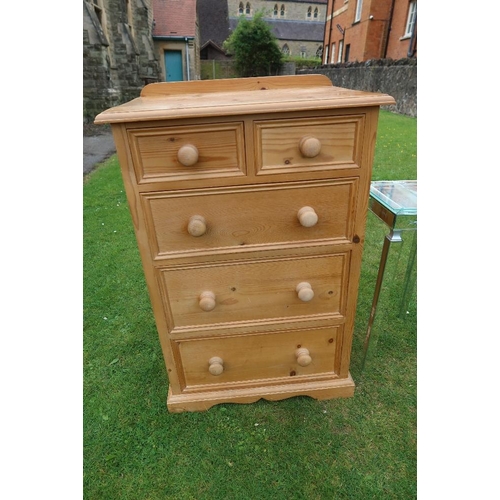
{"x": 395, "y": 204}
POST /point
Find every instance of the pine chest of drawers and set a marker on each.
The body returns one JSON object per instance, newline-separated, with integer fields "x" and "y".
{"x": 248, "y": 199}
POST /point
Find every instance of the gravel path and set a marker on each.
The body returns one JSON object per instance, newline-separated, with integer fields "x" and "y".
{"x": 98, "y": 145}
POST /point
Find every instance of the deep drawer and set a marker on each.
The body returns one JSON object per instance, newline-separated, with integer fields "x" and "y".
{"x": 286, "y": 355}
{"x": 233, "y": 294}
{"x": 239, "y": 218}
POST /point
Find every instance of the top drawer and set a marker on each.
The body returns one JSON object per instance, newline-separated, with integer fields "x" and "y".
{"x": 187, "y": 152}
{"x": 306, "y": 144}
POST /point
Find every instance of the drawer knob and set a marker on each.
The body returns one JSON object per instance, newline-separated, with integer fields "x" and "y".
{"x": 216, "y": 365}
{"x": 207, "y": 300}
{"x": 187, "y": 155}
{"x": 303, "y": 356}
{"x": 309, "y": 146}
{"x": 307, "y": 216}
{"x": 304, "y": 291}
{"x": 197, "y": 225}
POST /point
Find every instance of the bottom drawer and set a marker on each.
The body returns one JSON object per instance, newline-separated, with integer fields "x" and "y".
{"x": 241, "y": 359}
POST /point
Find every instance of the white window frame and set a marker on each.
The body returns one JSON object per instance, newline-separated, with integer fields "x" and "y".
{"x": 332, "y": 55}
{"x": 341, "y": 49}
{"x": 325, "y": 55}
{"x": 359, "y": 8}
{"x": 410, "y": 22}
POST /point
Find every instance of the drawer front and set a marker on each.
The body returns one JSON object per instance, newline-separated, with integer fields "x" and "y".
{"x": 217, "y": 220}
{"x": 302, "y": 145}
{"x": 188, "y": 152}
{"x": 286, "y": 355}
{"x": 238, "y": 293}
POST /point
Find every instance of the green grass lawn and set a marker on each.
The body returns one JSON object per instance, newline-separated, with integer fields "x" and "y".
{"x": 358, "y": 448}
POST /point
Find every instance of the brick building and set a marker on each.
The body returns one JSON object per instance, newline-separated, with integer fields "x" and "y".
{"x": 118, "y": 52}
{"x": 176, "y": 39}
{"x": 360, "y": 30}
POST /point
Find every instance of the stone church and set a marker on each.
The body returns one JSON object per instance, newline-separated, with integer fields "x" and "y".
{"x": 130, "y": 43}
{"x": 118, "y": 52}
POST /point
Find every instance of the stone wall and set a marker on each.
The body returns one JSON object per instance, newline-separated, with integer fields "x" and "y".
{"x": 396, "y": 78}
{"x": 118, "y": 53}
{"x": 212, "y": 69}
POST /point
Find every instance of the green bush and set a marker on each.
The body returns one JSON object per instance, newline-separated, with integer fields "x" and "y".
{"x": 254, "y": 48}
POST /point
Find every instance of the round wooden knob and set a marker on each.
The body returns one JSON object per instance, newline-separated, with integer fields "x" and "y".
{"x": 304, "y": 291}
{"x": 187, "y": 155}
{"x": 303, "y": 357}
{"x": 197, "y": 225}
{"x": 216, "y": 365}
{"x": 307, "y": 216}
{"x": 207, "y": 300}
{"x": 310, "y": 146}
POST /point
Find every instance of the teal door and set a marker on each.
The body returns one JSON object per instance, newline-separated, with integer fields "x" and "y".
{"x": 173, "y": 65}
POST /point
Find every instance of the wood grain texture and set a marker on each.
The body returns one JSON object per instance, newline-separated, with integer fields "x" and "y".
{"x": 246, "y": 218}
{"x": 278, "y": 144}
{"x": 257, "y": 357}
{"x": 160, "y": 105}
{"x": 328, "y": 388}
{"x": 250, "y": 291}
{"x": 219, "y": 150}
{"x": 248, "y": 199}
{"x": 162, "y": 89}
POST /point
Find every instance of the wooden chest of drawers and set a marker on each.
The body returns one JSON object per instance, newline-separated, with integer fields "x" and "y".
{"x": 249, "y": 198}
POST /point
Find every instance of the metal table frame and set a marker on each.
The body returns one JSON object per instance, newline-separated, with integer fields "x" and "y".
{"x": 395, "y": 204}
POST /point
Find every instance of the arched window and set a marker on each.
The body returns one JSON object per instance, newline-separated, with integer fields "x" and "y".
{"x": 97, "y": 4}
{"x": 316, "y": 13}
{"x": 309, "y": 12}
{"x": 275, "y": 11}
{"x": 286, "y": 50}
{"x": 247, "y": 9}
{"x": 241, "y": 9}
{"x": 282, "y": 10}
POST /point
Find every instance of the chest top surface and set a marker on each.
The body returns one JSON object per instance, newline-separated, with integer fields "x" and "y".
{"x": 239, "y": 96}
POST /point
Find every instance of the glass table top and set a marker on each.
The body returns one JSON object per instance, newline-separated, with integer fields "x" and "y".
{"x": 400, "y": 197}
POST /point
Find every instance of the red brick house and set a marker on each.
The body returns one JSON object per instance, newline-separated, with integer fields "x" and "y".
{"x": 360, "y": 30}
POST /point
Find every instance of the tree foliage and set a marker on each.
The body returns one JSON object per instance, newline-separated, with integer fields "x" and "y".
{"x": 254, "y": 48}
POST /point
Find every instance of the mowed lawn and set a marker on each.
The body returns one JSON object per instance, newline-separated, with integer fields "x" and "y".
{"x": 358, "y": 448}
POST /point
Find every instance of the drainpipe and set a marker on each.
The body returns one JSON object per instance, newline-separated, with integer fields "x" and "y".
{"x": 187, "y": 59}
{"x": 388, "y": 31}
{"x": 330, "y": 34}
